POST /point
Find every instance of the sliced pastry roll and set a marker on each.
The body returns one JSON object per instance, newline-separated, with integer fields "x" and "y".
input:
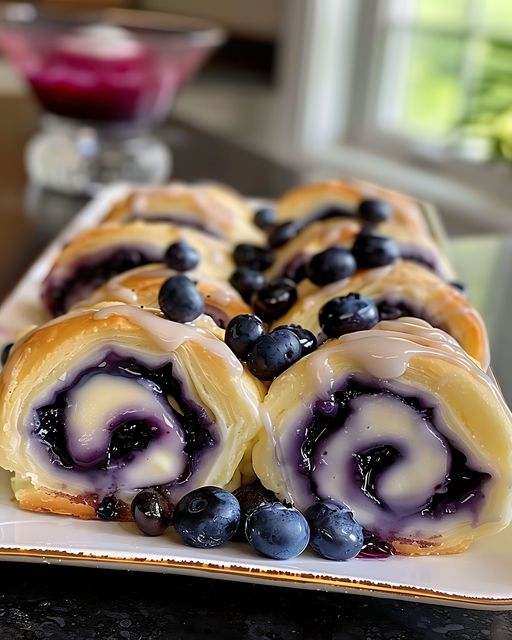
{"x": 141, "y": 286}
{"x": 103, "y": 402}
{"x": 211, "y": 208}
{"x": 400, "y": 289}
{"x": 101, "y": 253}
{"x": 402, "y": 426}
{"x": 336, "y": 198}
{"x": 292, "y": 257}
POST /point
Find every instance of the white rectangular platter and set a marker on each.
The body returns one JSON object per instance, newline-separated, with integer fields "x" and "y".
{"x": 481, "y": 577}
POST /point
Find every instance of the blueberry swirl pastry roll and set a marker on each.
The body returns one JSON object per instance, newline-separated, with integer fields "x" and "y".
{"x": 401, "y": 425}
{"x": 212, "y": 208}
{"x": 99, "y": 254}
{"x": 334, "y": 199}
{"x": 100, "y": 403}
{"x": 292, "y": 257}
{"x": 400, "y": 289}
{"x": 141, "y": 286}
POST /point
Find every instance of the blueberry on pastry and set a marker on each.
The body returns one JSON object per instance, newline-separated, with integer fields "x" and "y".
{"x": 400, "y": 289}
{"x": 101, "y": 403}
{"x": 336, "y": 199}
{"x": 401, "y": 425}
{"x": 391, "y": 241}
{"x": 211, "y": 208}
{"x": 99, "y": 254}
{"x": 141, "y": 287}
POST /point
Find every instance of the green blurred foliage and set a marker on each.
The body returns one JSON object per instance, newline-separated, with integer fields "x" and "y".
{"x": 459, "y": 78}
{"x": 488, "y": 112}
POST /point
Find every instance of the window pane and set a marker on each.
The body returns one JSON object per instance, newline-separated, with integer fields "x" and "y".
{"x": 497, "y": 18}
{"x": 488, "y": 110}
{"x": 442, "y": 13}
{"x": 432, "y": 104}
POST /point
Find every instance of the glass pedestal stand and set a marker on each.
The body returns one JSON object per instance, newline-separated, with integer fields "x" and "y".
{"x": 78, "y": 157}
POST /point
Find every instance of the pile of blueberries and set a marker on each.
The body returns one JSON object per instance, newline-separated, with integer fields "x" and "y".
{"x": 269, "y": 354}
{"x": 210, "y": 516}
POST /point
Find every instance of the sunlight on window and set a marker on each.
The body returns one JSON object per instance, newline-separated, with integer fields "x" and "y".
{"x": 433, "y": 92}
{"x": 458, "y": 75}
{"x": 442, "y": 13}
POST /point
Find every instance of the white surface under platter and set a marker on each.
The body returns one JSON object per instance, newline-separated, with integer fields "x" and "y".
{"x": 481, "y": 577}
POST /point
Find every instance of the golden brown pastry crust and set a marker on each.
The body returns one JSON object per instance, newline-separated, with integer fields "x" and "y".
{"x": 438, "y": 302}
{"x": 152, "y": 239}
{"x": 217, "y": 208}
{"x": 141, "y": 286}
{"x": 309, "y": 198}
{"x": 44, "y": 357}
{"x": 409, "y": 353}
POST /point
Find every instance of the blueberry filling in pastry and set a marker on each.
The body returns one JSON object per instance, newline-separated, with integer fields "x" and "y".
{"x": 401, "y": 425}
{"x": 354, "y": 442}
{"x": 120, "y": 423}
{"x": 86, "y": 274}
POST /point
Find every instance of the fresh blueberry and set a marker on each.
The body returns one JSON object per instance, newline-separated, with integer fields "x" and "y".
{"x": 371, "y": 250}
{"x": 108, "y": 509}
{"x": 207, "y": 517}
{"x": 374, "y": 211}
{"x": 242, "y": 332}
{"x": 335, "y": 534}
{"x": 182, "y": 256}
{"x": 253, "y": 257}
{"x": 277, "y": 531}
{"x": 250, "y": 498}
{"x": 308, "y": 341}
{"x": 275, "y": 298}
{"x": 5, "y": 353}
{"x": 180, "y": 300}
{"x": 265, "y": 218}
{"x": 151, "y": 512}
{"x": 273, "y": 353}
{"x": 460, "y": 286}
{"x": 283, "y": 233}
{"x": 346, "y": 314}
{"x": 246, "y": 282}
{"x": 331, "y": 265}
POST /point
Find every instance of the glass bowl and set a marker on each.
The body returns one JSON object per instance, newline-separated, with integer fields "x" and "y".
{"x": 104, "y": 79}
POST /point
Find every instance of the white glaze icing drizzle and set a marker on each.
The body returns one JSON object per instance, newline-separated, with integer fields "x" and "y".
{"x": 170, "y": 335}
{"x": 384, "y": 352}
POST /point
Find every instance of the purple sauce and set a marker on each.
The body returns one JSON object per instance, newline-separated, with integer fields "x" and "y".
{"x": 128, "y": 436}
{"x": 375, "y": 548}
{"x": 86, "y": 274}
{"x": 81, "y": 84}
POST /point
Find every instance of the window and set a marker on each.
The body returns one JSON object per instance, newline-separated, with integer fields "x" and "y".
{"x": 454, "y": 64}
{"x": 413, "y": 93}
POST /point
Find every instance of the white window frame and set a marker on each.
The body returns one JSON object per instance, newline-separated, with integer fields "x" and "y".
{"x": 325, "y": 122}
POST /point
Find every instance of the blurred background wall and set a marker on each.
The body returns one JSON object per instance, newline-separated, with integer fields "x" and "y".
{"x": 416, "y": 94}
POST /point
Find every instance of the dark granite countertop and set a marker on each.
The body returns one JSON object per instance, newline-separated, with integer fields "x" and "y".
{"x": 42, "y": 601}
